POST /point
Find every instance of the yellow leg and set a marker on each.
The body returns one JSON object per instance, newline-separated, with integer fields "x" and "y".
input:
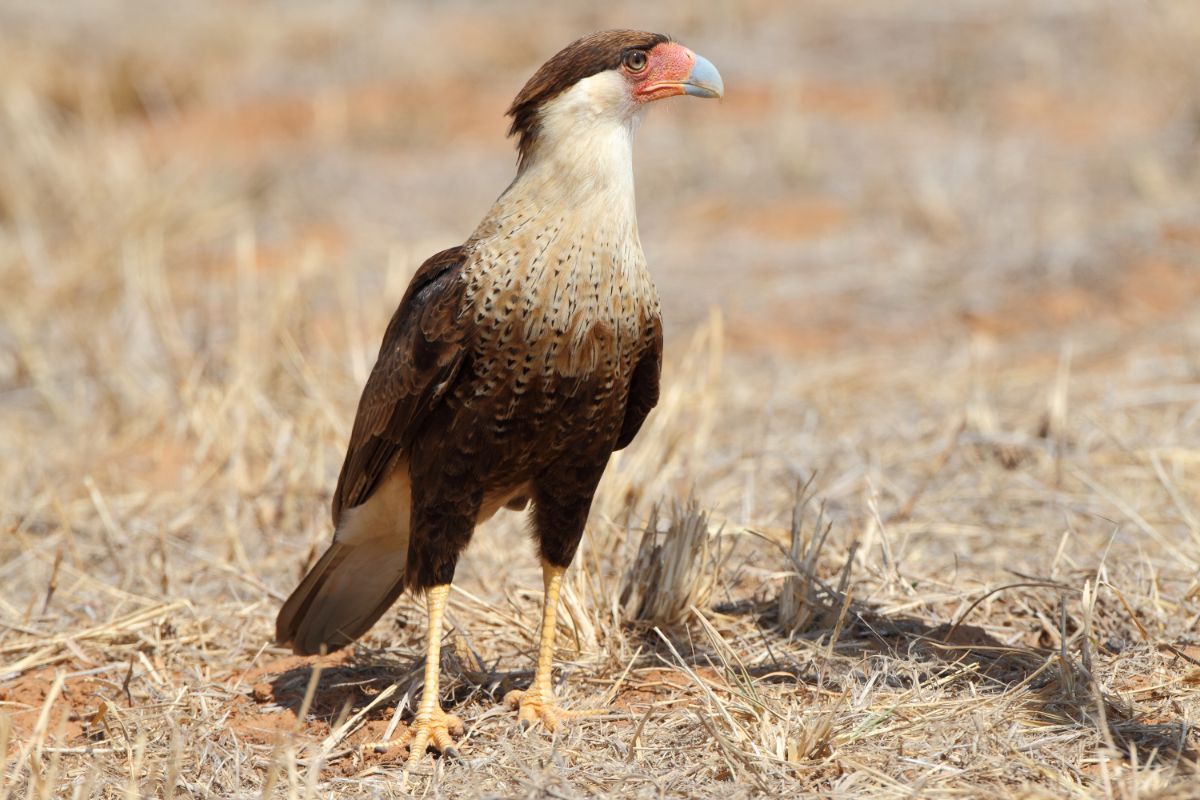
{"x": 536, "y": 703}
{"x": 432, "y": 725}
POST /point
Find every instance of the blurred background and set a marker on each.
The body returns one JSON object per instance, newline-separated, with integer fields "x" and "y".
{"x": 943, "y": 256}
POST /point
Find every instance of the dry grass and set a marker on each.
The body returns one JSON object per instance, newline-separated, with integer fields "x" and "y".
{"x": 675, "y": 570}
{"x": 956, "y": 254}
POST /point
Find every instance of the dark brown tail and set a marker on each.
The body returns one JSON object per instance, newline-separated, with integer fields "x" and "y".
{"x": 342, "y": 596}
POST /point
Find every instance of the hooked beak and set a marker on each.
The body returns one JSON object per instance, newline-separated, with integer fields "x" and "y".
{"x": 704, "y": 80}
{"x": 676, "y": 70}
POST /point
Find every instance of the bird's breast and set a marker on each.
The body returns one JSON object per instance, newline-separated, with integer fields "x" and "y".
{"x": 556, "y": 301}
{"x": 559, "y": 315}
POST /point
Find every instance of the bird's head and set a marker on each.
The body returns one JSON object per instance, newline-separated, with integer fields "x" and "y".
{"x": 605, "y": 80}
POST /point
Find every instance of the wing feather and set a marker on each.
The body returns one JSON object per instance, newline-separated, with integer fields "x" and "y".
{"x": 643, "y": 387}
{"x": 421, "y": 355}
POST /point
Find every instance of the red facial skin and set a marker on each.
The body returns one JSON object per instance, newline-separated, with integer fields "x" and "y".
{"x": 667, "y": 68}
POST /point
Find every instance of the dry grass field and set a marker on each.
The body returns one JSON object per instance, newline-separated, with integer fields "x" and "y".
{"x": 918, "y": 516}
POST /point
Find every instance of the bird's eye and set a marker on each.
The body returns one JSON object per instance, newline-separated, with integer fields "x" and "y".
{"x": 635, "y": 61}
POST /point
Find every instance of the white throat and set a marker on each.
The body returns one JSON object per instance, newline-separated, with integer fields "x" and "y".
{"x": 583, "y": 156}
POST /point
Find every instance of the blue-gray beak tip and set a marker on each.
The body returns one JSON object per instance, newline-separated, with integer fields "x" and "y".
{"x": 704, "y": 80}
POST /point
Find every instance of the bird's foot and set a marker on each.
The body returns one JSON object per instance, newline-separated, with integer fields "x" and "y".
{"x": 435, "y": 729}
{"x": 537, "y": 705}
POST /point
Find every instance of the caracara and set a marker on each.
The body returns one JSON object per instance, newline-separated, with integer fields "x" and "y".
{"x": 516, "y": 364}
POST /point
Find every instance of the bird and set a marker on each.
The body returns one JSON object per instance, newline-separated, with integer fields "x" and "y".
{"x": 514, "y": 366}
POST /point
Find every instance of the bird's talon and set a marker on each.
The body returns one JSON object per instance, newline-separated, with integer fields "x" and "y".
{"x": 533, "y": 708}
{"x": 437, "y": 730}
{"x": 379, "y": 748}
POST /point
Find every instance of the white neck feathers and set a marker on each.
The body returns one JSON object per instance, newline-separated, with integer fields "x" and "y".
{"x": 583, "y": 156}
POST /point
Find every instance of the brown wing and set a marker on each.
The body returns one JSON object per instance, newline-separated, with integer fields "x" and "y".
{"x": 419, "y": 359}
{"x": 643, "y": 387}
